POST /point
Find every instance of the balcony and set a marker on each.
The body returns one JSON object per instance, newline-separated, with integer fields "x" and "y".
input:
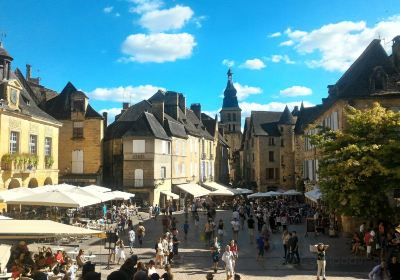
{"x": 19, "y": 163}
{"x": 139, "y": 156}
{"x": 211, "y": 156}
{"x": 203, "y": 156}
{"x": 143, "y": 183}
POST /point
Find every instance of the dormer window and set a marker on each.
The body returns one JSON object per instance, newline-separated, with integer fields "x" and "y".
{"x": 378, "y": 80}
{"x": 78, "y": 105}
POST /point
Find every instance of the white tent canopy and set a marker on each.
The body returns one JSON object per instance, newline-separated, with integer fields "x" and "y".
{"x": 5, "y": 218}
{"x": 314, "y": 195}
{"x": 118, "y": 195}
{"x": 31, "y": 229}
{"x": 291, "y": 192}
{"x": 194, "y": 189}
{"x": 71, "y": 198}
{"x": 170, "y": 194}
{"x": 255, "y": 195}
{"x": 96, "y": 188}
{"x": 272, "y": 193}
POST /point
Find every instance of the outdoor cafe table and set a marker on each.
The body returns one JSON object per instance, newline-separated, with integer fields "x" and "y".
{"x": 89, "y": 256}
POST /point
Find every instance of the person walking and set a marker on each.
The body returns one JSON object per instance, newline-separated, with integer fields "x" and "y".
{"x": 321, "y": 260}
{"x": 215, "y": 251}
{"x": 220, "y": 229}
{"x": 120, "y": 252}
{"x": 151, "y": 211}
{"x": 378, "y": 272}
{"x": 132, "y": 237}
{"x": 228, "y": 259}
{"x": 294, "y": 244}
{"x": 235, "y": 251}
{"x": 186, "y": 228}
{"x": 160, "y": 253}
{"x": 208, "y": 229}
{"x": 141, "y": 231}
{"x": 260, "y": 247}
{"x": 235, "y": 228}
{"x": 250, "y": 227}
{"x": 285, "y": 241}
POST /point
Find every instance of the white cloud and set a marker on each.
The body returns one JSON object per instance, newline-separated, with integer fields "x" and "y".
{"x": 271, "y": 106}
{"x": 108, "y": 10}
{"x": 339, "y": 44}
{"x": 274, "y": 35}
{"x": 244, "y": 91}
{"x": 296, "y": 91}
{"x": 287, "y": 43}
{"x": 228, "y": 62}
{"x": 253, "y": 64}
{"x": 144, "y": 6}
{"x": 159, "y": 47}
{"x": 131, "y": 94}
{"x": 276, "y": 58}
{"x": 112, "y": 112}
{"x": 168, "y": 19}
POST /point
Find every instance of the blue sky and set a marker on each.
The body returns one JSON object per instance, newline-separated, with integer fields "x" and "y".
{"x": 281, "y": 52}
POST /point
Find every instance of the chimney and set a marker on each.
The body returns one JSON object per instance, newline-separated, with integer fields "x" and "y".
{"x": 157, "y": 108}
{"x": 396, "y": 51}
{"x": 105, "y": 120}
{"x": 28, "y": 72}
{"x": 196, "y": 108}
{"x": 172, "y": 104}
{"x": 125, "y": 105}
{"x": 182, "y": 103}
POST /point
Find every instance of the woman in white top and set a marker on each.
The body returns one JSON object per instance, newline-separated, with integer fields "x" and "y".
{"x": 151, "y": 268}
{"x": 165, "y": 246}
{"x": 228, "y": 259}
{"x": 160, "y": 253}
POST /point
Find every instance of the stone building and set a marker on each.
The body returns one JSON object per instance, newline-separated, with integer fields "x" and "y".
{"x": 231, "y": 123}
{"x": 81, "y": 149}
{"x": 28, "y": 135}
{"x": 269, "y": 150}
{"x": 373, "y": 77}
{"x": 177, "y": 152}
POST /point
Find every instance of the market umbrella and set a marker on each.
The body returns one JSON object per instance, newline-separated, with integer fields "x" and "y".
{"x": 244, "y": 191}
{"x": 119, "y": 195}
{"x": 292, "y": 192}
{"x": 5, "y": 252}
{"x": 69, "y": 199}
{"x": 5, "y": 218}
{"x": 34, "y": 229}
{"x": 255, "y": 195}
{"x": 15, "y": 193}
{"x": 272, "y": 193}
{"x": 96, "y": 188}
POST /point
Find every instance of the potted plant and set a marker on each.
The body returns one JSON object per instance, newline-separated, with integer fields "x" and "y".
{"x": 48, "y": 161}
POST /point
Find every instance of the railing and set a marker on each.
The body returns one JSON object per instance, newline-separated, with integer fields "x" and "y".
{"x": 22, "y": 163}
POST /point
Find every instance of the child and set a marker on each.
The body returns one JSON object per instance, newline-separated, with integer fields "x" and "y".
{"x": 260, "y": 246}
{"x": 186, "y": 228}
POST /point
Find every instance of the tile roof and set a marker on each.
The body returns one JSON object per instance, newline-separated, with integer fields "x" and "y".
{"x": 146, "y": 125}
{"x": 261, "y": 122}
{"x": 175, "y": 129}
{"x": 287, "y": 117}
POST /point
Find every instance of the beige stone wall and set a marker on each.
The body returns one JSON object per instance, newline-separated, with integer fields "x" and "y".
{"x": 25, "y": 126}
{"x": 180, "y": 165}
{"x": 91, "y": 144}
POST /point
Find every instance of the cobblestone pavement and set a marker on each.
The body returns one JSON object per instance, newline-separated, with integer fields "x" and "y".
{"x": 195, "y": 259}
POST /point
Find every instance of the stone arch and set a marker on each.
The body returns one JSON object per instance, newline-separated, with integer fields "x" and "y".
{"x": 33, "y": 183}
{"x": 14, "y": 183}
{"x": 48, "y": 181}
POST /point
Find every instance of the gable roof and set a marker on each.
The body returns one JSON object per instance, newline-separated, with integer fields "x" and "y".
{"x": 175, "y": 129}
{"x": 306, "y": 116}
{"x": 134, "y": 111}
{"x": 261, "y": 122}
{"x": 286, "y": 117}
{"x": 60, "y": 106}
{"x": 146, "y": 125}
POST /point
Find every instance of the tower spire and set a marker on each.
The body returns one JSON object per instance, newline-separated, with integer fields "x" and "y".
{"x": 230, "y": 74}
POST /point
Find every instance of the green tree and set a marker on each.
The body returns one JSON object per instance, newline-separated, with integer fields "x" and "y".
{"x": 360, "y": 166}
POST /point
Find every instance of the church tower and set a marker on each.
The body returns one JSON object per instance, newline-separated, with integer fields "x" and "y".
{"x": 231, "y": 121}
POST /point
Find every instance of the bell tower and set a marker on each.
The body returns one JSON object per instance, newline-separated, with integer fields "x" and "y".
{"x": 231, "y": 122}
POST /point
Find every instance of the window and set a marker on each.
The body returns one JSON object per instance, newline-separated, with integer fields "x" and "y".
{"x": 77, "y": 162}
{"x": 282, "y": 143}
{"x": 163, "y": 172}
{"x": 270, "y": 173}
{"x": 229, "y": 129}
{"x": 138, "y": 177}
{"x": 176, "y": 147}
{"x": 271, "y": 156}
{"x": 252, "y": 142}
{"x": 234, "y": 127}
{"x": 271, "y": 141}
{"x": 78, "y": 106}
{"x": 139, "y": 146}
{"x": 234, "y": 117}
{"x": 47, "y": 146}
{"x": 14, "y": 142}
{"x": 229, "y": 117}
{"x": 281, "y": 129}
{"x": 33, "y": 144}
{"x": 77, "y": 130}
{"x": 253, "y": 157}
{"x": 282, "y": 160}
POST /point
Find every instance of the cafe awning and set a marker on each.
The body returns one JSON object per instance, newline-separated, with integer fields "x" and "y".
{"x": 96, "y": 188}
{"x": 220, "y": 190}
{"x": 244, "y": 191}
{"x": 292, "y": 192}
{"x": 119, "y": 195}
{"x": 33, "y": 229}
{"x": 5, "y": 252}
{"x": 194, "y": 189}
{"x": 170, "y": 194}
{"x": 16, "y": 193}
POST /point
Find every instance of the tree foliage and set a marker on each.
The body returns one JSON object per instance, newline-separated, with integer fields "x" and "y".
{"x": 359, "y": 166}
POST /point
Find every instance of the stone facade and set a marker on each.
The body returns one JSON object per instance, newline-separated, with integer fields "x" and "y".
{"x": 29, "y": 137}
